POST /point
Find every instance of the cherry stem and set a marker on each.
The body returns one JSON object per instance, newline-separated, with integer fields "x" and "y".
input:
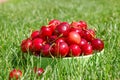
{"x": 89, "y": 33}
{"x": 50, "y": 49}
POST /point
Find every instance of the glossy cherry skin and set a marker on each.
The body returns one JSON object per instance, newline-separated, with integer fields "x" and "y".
{"x": 61, "y": 49}
{"x": 53, "y": 23}
{"x": 46, "y": 31}
{"x": 97, "y": 44}
{"x": 46, "y": 50}
{"x": 89, "y": 34}
{"x": 25, "y": 45}
{"x": 15, "y": 74}
{"x": 35, "y": 34}
{"x": 38, "y": 71}
{"x": 83, "y": 42}
{"x": 63, "y": 28}
{"x": 83, "y": 24}
{"x": 37, "y": 44}
{"x": 75, "y": 25}
{"x": 74, "y": 50}
{"x": 74, "y": 38}
{"x": 87, "y": 49}
{"x": 78, "y": 30}
{"x": 60, "y": 40}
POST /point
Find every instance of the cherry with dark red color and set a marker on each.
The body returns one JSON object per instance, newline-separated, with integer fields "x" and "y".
{"x": 37, "y": 44}
{"x": 83, "y": 42}
{"x": 25, "y": 45}
{"x": 63, "y": 29}
{"x": 74, "y": 50}
{"x": 46, "y": 50}
{"x": 89, "y": 34}
{"x": 46, "y": 31}
{"x": 35, "y": 34}
{"x": 97, "y": 44}
{"x": 83, "y": 24}
{"x": 87, "y": 49}
{"x": 61, "y": 49}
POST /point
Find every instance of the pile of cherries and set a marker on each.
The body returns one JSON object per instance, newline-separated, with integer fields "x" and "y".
{"x": 61, "y": 39}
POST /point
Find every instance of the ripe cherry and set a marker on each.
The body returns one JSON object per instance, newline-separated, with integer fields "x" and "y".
{"x": 37, "y": 44}
{"x": 97, "y": 44}
{"x": 75, "y": 25}
{"x": 46, "y": 31}
{"x": 87, "y": 49}
{"x": 38, "y": 71}
{"x": 89, "y": 34}
{"x": 61, "y": 49}
{"x": 63, "y": 28}
{"x": 74, "y": 50}
{"x": 60, "y": 40}
{"x": 25, "y": 45}
{"x": 15, "y": 74}
{"x": 74, "y": 38}
{"x": 36, "y": 53}
{"x": 53, "y": 23}
{"x": 78, "y": 30}
{"x": 35, "y": 34}
{"x": 83, "y": 24}
{"x": 83, "y": 42}
{"x": 46, "y": 50}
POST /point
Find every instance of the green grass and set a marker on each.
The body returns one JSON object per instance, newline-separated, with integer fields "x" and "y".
{"x": 19, "y": 17}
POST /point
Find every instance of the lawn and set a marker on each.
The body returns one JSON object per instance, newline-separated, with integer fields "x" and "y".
{"x": 19, "y": 17}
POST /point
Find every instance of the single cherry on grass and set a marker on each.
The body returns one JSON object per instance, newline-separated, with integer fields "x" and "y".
{"x": 97, "y": 44}
{"x": 15, "y": 74}
{"x": 38, "y": 71}
{"x": 74, "y": 50}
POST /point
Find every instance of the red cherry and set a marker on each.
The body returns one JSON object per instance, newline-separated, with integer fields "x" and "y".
{"x": 74, "y": 50}
{"x": 97, "y": 44}
{"x": 52, "y": 38}
{"x": 61, "y": 49}
{"x": 74, "y": 38}
{"x": 75, "y": 25}
{"x": 38, "y": 71}
{"x": 83, "y": 42}
{"x": 60, "y": 40}
{"x": 63, "y": 28}
{"x": 15, "y": 74}
{"x": 89, "y": 34}
{"x": 83, "y": 24}
{"x": 78, "y": 30}
{"x": 46, "y": 31}
{"x": 37, "y": 44}
{"x": 46, "y": 50}
{"x": 87, "y": 49}
{"x": 53, "y": 23}
{"x": 25, "y": 45}
{"x": 35, "y": 34}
